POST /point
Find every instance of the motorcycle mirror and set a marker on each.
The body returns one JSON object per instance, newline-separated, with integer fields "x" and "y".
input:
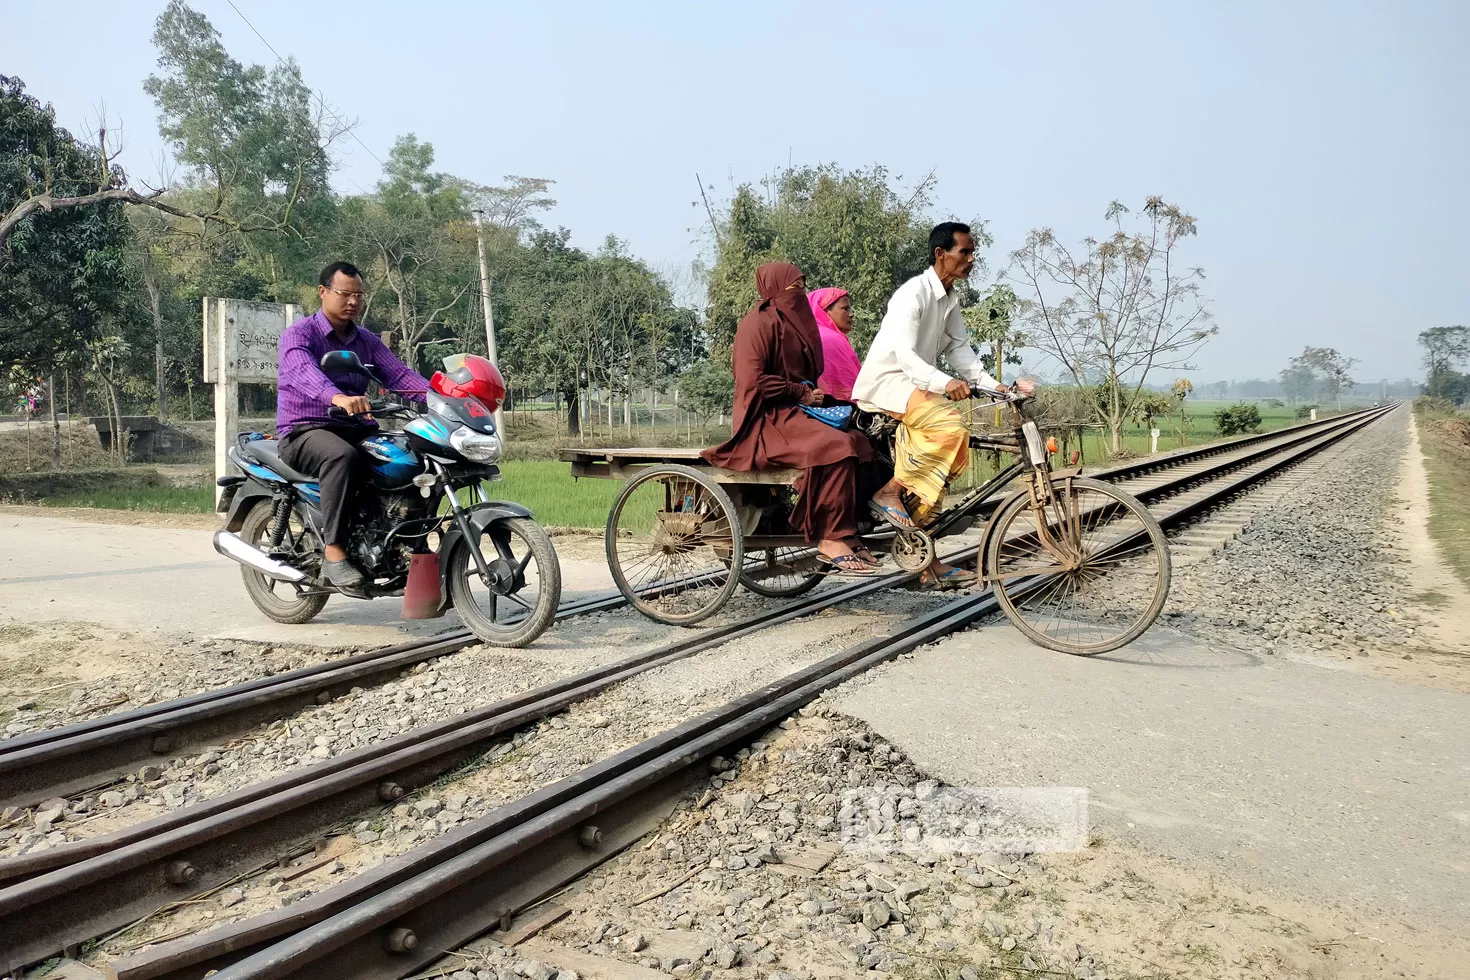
{"x": 343, "y": 360}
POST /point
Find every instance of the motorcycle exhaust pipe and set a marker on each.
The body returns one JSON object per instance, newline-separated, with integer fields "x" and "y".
{"x": 232, "y": 546}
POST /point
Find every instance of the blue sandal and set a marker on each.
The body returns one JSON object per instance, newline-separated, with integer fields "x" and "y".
{"x": 954, "y": 578}
{"x": 896, "y": 516}
{"x": 847, "y": 565}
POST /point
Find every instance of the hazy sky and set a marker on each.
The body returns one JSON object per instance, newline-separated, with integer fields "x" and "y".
{"x": 1322, "y": 146}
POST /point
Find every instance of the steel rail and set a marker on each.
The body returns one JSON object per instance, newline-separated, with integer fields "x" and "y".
{"x": 427, "y": 885}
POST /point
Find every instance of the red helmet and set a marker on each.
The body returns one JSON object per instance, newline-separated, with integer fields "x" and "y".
{"x": 470, "y": 376}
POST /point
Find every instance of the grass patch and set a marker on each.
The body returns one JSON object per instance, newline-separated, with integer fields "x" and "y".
{"x": 1449, "y": 498}
{"x": 155, "y": 500}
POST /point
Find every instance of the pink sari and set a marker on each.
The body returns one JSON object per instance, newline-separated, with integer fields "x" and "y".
{"x": 841, "y": 364}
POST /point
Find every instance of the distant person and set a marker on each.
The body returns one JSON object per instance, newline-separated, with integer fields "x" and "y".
{"x": 832, "y": 308}
{"x": 777, "y": 360}
{"x": 311, "y": 440}
{"x": 901, "y": 377}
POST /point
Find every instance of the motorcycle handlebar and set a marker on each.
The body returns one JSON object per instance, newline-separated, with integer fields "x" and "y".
{"x": 376, "y": 406}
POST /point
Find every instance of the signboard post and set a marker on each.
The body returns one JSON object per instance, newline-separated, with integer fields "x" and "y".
{"x": 241, "y": 346}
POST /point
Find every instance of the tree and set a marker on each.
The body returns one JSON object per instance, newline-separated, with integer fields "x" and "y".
{"x": 1151, "y": 405}
{"x": 709, "y": 389}
{"x": 255, "y": 154}
{"x": 1122, "y": 308}
{"x": 63, "y": 270}
{"x": 574, "y": 321}
{"x": 1181, "y": 389}
{"x": 846, "y": 228}
{"x": 413, "y": 238}
{"x": 991, "y": 324}
{"x": 1329, "y": 368}
{"x": 1298, "y": 380}
{"x": 514, "y": 204}
{"x": 1445, "y": 349}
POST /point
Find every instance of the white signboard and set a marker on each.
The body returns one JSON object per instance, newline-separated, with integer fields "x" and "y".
{"x": 245, "y": 337}
{"x": 242, "y": 341}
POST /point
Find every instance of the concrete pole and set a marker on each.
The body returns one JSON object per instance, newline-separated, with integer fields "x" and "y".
{"x": 490, "y": 350}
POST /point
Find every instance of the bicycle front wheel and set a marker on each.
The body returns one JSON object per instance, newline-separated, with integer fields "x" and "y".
{"x": 1084, "y": 574}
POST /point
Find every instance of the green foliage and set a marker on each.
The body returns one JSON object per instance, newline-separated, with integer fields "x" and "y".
{"x": 1238, "y": 418}
{"x": 708, "y": 388}
{"x": 844, "y": 228}
{"x": 1445, "y": 349}
{"x": 992, "y": 325}
{"x": 63, "y": 274}
{"x": 574, "y": 320}
{"x": 1151, "y": 405}
{"x": 1304, "y": 411}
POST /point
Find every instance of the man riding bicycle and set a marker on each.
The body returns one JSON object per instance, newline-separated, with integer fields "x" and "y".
{"x": 901, "y": 379}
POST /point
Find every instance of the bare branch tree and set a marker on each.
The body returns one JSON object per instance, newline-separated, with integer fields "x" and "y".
{"x": 1117, "y": 310}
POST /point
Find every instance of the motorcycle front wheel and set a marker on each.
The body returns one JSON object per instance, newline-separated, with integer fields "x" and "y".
{"x": 521, "y": 601}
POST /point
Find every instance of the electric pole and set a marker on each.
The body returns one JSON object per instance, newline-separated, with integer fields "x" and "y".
{"x": 490, "y": 351}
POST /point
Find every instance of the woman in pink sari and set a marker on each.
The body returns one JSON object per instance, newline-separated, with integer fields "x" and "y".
{"x": 833, "y": 310}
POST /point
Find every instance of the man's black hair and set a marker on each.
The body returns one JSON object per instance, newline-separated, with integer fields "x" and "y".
{"x": 943, "y": 236}
{"x": 346, "y": 268}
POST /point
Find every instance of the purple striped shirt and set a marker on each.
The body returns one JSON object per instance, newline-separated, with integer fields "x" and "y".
{"x": 305, "y": 391}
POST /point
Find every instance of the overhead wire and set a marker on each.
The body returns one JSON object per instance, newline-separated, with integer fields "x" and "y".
{"x": 322, "y": 102}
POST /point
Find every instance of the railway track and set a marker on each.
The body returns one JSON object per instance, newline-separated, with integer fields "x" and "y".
{"x": 446, "y": 892}
{"x": 90, "y": 755}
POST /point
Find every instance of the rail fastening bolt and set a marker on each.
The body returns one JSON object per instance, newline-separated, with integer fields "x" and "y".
{"x": 401, "y": 940}
{"x": 162, "y": 744}
{"x": 589, "y": 836}
{"x": 389, "y": 791}
{"x": 181, "y": 873}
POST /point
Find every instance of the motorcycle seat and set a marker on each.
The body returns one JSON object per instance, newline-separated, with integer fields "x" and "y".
{"x": 267, "y": 452}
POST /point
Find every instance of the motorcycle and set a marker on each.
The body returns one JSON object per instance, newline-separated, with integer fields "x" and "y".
{"x": 412, "y": 532}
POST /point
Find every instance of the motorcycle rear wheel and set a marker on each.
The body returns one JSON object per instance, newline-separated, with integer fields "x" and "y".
{"x": 278, "y": 600}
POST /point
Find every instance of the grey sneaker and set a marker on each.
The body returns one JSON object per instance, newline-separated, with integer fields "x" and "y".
{"x": 345, "y": 576}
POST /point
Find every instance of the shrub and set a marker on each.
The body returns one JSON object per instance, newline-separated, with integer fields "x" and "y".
{"x": 1303, "y": 411}
{"x": 1275, "y": 403}
{"x": 1433, "y": 406}
{"x": 1238, "y": 418}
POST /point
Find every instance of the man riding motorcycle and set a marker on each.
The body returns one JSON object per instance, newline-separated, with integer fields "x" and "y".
{"x": 312, "y": 441}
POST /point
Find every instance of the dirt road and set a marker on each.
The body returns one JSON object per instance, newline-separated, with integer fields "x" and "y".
{"x": 137, "y": 577}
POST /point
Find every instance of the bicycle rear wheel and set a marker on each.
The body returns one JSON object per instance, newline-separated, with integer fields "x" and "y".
{"x": 1086, "y": 575}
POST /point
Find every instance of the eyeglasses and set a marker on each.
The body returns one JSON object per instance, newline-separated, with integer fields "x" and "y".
{"x": 348, "y": 293}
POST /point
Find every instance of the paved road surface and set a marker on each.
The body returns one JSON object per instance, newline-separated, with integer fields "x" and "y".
{"x": 1297, "y": 776}
{"x": 133, "y": 578}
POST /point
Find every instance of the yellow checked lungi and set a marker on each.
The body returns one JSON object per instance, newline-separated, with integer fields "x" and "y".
{"x": 932, "y": 448}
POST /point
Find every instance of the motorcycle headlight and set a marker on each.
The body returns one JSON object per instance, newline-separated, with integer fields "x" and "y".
{"x": 478, "y": 446}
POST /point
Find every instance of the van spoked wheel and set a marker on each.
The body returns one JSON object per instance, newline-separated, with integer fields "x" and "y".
{"x": 673, "y": 538}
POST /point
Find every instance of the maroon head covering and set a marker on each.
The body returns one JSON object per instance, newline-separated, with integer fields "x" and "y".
{"x": 773, "y": 281}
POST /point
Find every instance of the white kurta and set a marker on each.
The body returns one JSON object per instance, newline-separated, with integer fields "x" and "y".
{"x": 922, "y": 322}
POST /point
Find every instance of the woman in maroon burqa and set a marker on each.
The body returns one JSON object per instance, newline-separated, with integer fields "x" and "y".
{"x": 777, "y": 360}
